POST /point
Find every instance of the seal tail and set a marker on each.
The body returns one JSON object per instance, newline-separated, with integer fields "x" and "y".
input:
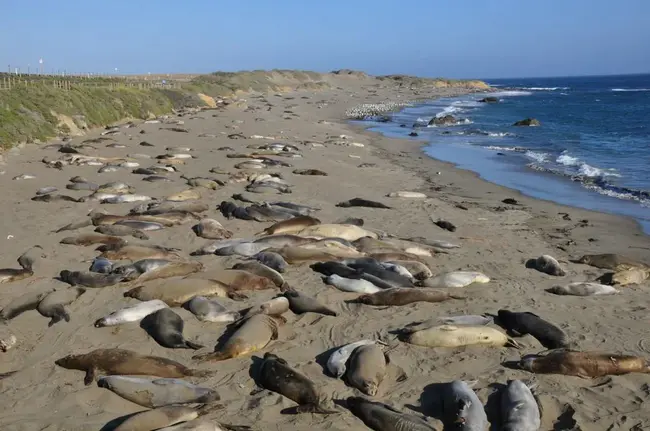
{"x": 192, "y": 345}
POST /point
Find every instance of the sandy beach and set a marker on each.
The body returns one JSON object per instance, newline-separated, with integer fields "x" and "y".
{"x": 495, "y": 238}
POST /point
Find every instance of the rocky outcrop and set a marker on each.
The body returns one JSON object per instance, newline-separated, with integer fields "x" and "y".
{"x": 490, "y": 99}
{"x": 530, "y": 122}
{"x": 446, "y": 120}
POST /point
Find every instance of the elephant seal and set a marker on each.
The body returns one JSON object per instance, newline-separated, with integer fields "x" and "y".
{"x": 360, "y": 202}
{"x": 257, "y": 268}
{"x": 208, "y": 310}
{"x": 93, "y": 238}
{"x": 518, "y": 324}
{"x": 344, "y": 231}
{"x": 391, "y": 277}
{"x": 155, "y": 393}
{"x": 300, "y": 303}
{"x": 630, "y": 276}
{"x": 295, "y": 224}
{"x": 141, "y": 225}
{"x": 252, "y": 335}
{"x": 457, "y": 336}
{"x": 462, "y": 408}
{"x": 176, "y": 292}
{"x": 134, "y": 313}
{"x": 614, "y": 262}
{"x": 171, "y": 269}
{"x": 90, "y": 279}
{"x": 138, "y": 252}
{"x": 53, "y": 305}
{"x": 337, "y": 360}
{"x": 357, "y": 285}
{"x": 166, "y": 327}
{"x": 211, "y": 229}
{"x": 584, "y": 364}
{"x": 158, "y": 418}
{"x": 455, "y": 279}
{"x": 276, "y": 375}
{"x": 272, "y": 260}
{"x": 125, "y": 362}
{"x": 367, "y": 368}
{"x": 25, "y": 302}
{"x": 583, "y": 289}
{"x": 404, "y": 296}
{"x": 121, "y": 230}
{"x": 204, "y": 425}
{"x": 185, "y": 195}
{"x": 273, "y": 307}
{"x": 310, "y": 172}
{"x": 519, "y": 408}
{"x": 382, "y": 417}
{"x": 7, "y": 339}
{"x": 406, "y": 194}
{"x": 465, "y": 319}
{"x": 101, "y": 265}
{"x": 338, "y": 268}
{"x": 546, "y": 264}
{"x": 235, "y": 279}
{"x": 26, "y": 262}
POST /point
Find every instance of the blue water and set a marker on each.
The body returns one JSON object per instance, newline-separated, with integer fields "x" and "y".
{"x": 591, "y": 151}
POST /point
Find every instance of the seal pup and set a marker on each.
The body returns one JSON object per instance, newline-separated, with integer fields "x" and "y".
{"x": 154, "y": 393}
{"x": 158, "y": 418}
{"x": 211, "y": 229}
{"x": 357, "y": 285}
{"x": 337, "y": 360}
{"x": 519, "y": 324}
{"x": 209, "y": 310}
{"x": 257, "y": 268}
{"x": 125, "y": 362}
{"x": 457, "y": 336}
{"x": 614, "y": 262}
{"x": 295, "y": 224}
{"x": 101, "y": 265}
{"x": 630, "y": 276}
{"x": 273, "y": 307}
{"x": 121, "y": 230}
{"x": 26, "y": 262}
{"x": 584, "y": 364}
{"x": 404, "y": 296}
{"x": 166, "y": 328}
{"x": 301, "y": 303}
{"x": 53, "y": 305}
{"x": 367, "y": 368}
{"x": 583, "y": 288}
{"x": 25, "y": 302}
{"x": 546, "y": 264}
{"x": 133, "y": 313}
{"x": 462, "y": 407}
{"x": 276, "y": 375}
{"x": 90, "y": 279}
{"x": 272, "y": 260}
{"x": 455, "y": 279}
{"x": 360, "y": 202}
{"x": 519, "y": 408}
{"x": 252, "y": 335}
{"x": 382, "y": 417}
{"x": 310, "y": 172}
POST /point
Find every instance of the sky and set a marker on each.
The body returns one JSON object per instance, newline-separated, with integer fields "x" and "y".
{"x": 451, "y": 38}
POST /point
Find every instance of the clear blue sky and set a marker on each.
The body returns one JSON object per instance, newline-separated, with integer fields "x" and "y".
{"x": 453, "y": 38}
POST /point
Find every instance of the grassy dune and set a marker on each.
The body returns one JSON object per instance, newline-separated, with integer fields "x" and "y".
{"x": 39, "y": 111}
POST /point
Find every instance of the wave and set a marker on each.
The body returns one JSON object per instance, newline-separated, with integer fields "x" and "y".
{"x": 584, "y": 168}
{"x": 629, "y": 89}
{"x": 546, "y": 88}
{"x": 511, "y": 93}
{"x": 498, "y": 148}
{"x": 479, "y": 132}
{"x": 537, "y": 156}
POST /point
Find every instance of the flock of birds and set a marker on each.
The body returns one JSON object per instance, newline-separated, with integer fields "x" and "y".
{"x": 384, "y": 270}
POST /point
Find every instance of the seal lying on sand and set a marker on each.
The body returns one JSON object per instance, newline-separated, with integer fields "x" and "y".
{"x": 93, "y": 238}
{"x": 253, "y": 334}
{"x": 176, "y": 292}
{"x": 584, "y": 364}
{"x": 336, "y": 363}
{"x": 154, "y": 393}
{"x": 208, "y": 310}
{"x": 404, "y": 296}
{"x": 276, "y": 375}
{"x": 157, "y": 418}
{"x": 272, "y": 307}
{"x": 615, "y": 262}
{"x": 166, "y": 327}
{"x": 133, "y": 313}
{"x": 25, "y": 302}
{"x": 360, "y": 202}
{"x": 549, "y": 335}
{"x": 382, "y": 417}
{"x": 257, "y": 268}
{"x": 519, "y": 408}
{"x": 53, "y": 305}
{"x": 126, "y": 362}
{"x": 461, "y": 406}
{"x": 26, "y": 262}
{"x": 455, "y": 279}
{"x": 367, "y": 368}
{"x": 546, "y": 264}
{"x": 300, "y": 303}
{"x": 295, "y": 224}
{"x": 121, "y": 230}
{"x": 90, "y": 279}
{"x": 457, "y": 336}
{"x": 581, "y": 288}
{"x": 211, "y": 229}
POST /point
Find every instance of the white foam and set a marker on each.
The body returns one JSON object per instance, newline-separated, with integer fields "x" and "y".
{"x": 511, "y": 93}
{"x": 592, "y": 171}
{"x": 497, "y": 148}
{"x": 618, "y": 195}
{"x": 499, "y": 134}
{"x": 567, "y": 160}
{"x": 537, "y": 156}
{"x": 448, "y": 111}
{"x": 630, "y": 89}
{"x": 546, "y": 88}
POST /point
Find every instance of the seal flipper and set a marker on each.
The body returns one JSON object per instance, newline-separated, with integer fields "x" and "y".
{"x": 58, "y": 313}
{"x": 90, "y": 375}
{"x": 192, "y": 345}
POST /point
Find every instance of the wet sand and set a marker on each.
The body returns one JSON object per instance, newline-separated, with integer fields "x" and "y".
{"x": 495, "y": 239}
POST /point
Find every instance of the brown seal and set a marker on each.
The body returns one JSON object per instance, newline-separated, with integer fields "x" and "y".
{"x": 295, "y": 224}
{"x": 172, "y": 269}
{"x": 166, "y": 327}
{"x": 405, "y": 296}
{"x": 367, "y": 369}
{"x": 253, "y": 334}
{"x": 301, "y": 303}
{"x": 93, "y": 238}
{"x": 176, "y": 292}
{"x": 125, "y": 362}
{"x": 211, "y": 229}
{"x": 121, "y": 230}
{"x": 257, "y": 268}
{"x": 53, "y": 305}
{"x": 584, "y": 364}
{"x": 276, "y": 375}
{"x": 310, "y": 172}
{"x": 138, "y": 252}
{"x": 236, "y": 280}
{"x": 612, "y": 261}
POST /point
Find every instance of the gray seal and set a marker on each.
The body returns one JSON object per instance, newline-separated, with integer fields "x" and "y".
{"x": 166, "y": 327}
{"x": 272, "y": 260}
{"x": 382, "y": 417}
{"x": 463, "y": 410}
{"x": 262, "y": 270}
{"x": 101, "y": 265}
{"x": 300, "y": 303}
{"x": 89, "y": 279}
{"x": 546, "y": 264}
{"x": 53, "y": 305}
{"x": 26, "y": 302}
{"x": 519, "y": 408}
{"x": 208, "y": 310}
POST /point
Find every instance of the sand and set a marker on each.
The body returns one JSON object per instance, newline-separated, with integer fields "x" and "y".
{"x": 496, "y": 239}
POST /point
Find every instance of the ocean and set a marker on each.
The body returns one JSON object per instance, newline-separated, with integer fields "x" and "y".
{"x": 592, "y": 149}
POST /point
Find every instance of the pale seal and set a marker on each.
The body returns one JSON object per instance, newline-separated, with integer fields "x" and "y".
{"x": 262, "y": 270}
{"x": 273, "y": 307}
{"x": 457, "y": 336}
{"x": 166, "y": 327}
{"x": 208, "y": 310}
{"x": 211, "y": 229}
{"x": 546, "y": 264}
{"x": 154, "y": 393}
{"x": 367, "y": 369}
{"x": 301, "y": 303}
{"x": 612, "y": 261}
{"x": 133, "y": 313}
{"x": 157, "y": 418}
{"x": 53, "y": 305}
{"x": 455, "y": 279}
{"x": 295, "y": 224}
{"x": 351, "y": 285}
{"x": 125, "y": 362}
{"x": 519, "y": 408}
{"x": 583, "y": 289}
{"x": 337, "y": 360}
{"x": 276, "y": 375}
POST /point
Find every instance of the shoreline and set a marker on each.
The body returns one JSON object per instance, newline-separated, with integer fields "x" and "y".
{"x": 495, "y": 239}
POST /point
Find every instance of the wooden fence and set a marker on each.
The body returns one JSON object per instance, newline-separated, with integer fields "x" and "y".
{"x": 8, "y": 82}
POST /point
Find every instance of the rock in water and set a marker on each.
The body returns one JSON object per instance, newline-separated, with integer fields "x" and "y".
{"x": 528, "y": 122}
